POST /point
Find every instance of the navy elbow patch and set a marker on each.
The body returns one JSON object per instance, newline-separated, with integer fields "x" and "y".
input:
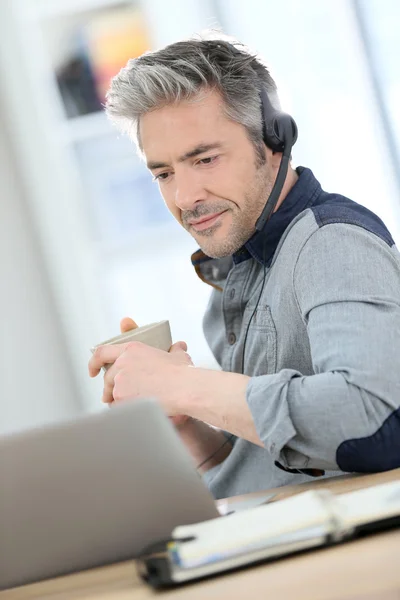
{"x": 375, "y": 453}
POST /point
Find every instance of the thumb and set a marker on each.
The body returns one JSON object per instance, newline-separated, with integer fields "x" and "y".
{"x": 178, "y": 347}
{"x": 127, "y": 324}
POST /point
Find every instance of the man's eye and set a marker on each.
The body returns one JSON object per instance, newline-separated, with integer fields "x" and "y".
{"x": 208, "y": 160}
{"x": 161, "y": 177}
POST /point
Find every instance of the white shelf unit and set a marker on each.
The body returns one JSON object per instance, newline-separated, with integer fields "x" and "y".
{"x": 81, "y": 265}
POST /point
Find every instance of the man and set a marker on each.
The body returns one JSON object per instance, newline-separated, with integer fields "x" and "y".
{"x": 304, "y": 317}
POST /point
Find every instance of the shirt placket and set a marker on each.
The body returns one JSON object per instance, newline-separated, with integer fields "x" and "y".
{"x": 232, "y": 298}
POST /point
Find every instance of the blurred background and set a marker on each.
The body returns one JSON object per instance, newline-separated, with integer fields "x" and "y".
{"x": 85, "y": 238}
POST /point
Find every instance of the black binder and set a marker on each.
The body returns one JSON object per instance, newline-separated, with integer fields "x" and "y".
{"x": 308, "y": 520}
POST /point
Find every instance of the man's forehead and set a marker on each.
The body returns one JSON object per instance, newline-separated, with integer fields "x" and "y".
{"x": 186, "y": 117}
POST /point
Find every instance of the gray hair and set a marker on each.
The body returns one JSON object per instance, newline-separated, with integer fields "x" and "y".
{"x": 181, "y": 71}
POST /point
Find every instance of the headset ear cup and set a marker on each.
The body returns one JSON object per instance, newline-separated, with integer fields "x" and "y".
{"x": 273, "y": 133}
{"x": 279, "y": 128}
{"x": 276, "y": 131}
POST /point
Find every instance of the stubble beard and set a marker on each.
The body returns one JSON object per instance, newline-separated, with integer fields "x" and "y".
{"x": 243, "y": 222}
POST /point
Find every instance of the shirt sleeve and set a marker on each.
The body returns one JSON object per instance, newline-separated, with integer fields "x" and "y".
{"x": 346, "y": 415}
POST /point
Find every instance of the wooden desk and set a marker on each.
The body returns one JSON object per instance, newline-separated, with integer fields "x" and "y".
{"x": 365, "y": 569}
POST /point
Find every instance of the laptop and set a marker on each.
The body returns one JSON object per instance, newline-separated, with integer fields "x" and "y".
{"x": 93, "y": 491}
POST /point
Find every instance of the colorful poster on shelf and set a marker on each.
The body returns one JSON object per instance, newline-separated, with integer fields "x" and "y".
{"x": 112, "y": 38}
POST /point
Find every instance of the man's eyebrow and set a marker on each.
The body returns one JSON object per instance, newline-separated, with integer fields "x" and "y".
{"x": 200, "y": 149}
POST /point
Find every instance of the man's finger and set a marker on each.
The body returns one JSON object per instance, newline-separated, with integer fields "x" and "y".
{"x": 178, "y": 346}
{"x": 181, "y": 347}
{"x": 127, "y": 324}
{"x": 109, "y": 385}
{"x": 179, "y": 420}
{"x": 105, "y": 355}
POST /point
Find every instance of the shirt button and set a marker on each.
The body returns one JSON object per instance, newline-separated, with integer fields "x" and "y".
{"x": 231, "y": 338}
{"x": 232, "y": 294}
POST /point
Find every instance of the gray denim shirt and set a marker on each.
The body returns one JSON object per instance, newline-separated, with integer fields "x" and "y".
{"x": 322, "y": 349}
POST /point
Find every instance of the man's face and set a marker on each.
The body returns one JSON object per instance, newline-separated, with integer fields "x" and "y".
{"x": 208, "y": 171}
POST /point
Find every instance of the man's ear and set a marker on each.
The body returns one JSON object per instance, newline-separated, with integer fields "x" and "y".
{"x": 273, "y": 158}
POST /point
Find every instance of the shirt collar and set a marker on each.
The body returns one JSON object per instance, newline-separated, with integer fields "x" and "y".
{"x": 262, "y": 244}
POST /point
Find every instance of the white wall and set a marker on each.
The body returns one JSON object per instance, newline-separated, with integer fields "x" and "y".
{"x": 36, "y": 379}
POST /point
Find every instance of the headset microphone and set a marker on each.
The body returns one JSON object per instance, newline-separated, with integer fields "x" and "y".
{"x": 280, "y": 135}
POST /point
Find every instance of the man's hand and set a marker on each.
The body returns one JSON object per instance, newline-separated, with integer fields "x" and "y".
{"x": 214, "y": 397}
{"x": 192, "y": 398}
{"x": 134, "y": 363}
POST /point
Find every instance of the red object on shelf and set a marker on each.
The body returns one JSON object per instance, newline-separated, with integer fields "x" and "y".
{"x": 112, "y": 38}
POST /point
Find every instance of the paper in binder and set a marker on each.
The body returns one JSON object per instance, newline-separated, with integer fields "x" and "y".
{"x": 307, "y": 520}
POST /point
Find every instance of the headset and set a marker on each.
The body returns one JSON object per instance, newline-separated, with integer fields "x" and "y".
{"x": 279, "y": 134}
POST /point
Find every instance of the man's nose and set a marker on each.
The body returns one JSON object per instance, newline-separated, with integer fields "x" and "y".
{"x": 188, "y": 191}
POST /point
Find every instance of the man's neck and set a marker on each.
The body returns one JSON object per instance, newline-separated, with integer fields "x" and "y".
{"x": 291, "y": 179}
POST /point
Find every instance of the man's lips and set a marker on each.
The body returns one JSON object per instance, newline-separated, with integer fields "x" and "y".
{"x": 206, "y": 221}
